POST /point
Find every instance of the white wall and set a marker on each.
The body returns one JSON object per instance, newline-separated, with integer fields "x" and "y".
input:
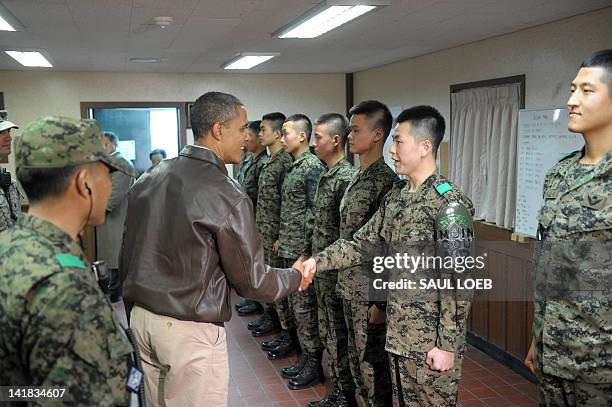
{"x": 548, "y": 55}
{"x": 28, "y": 95}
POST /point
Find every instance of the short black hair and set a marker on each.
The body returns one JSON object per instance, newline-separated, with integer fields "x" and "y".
{"x": 276, "y": 120}
{"x": 427, "y": 124}
{"x": 211, "y": 108}
{"x": 112, "y": 137}
{"x": 255, "y": 126}
{"x": 375, "y": 109}
{"x": 303, "y": 123}
{"x": 157, "y": 151}
{"x": 336, "y": 124}
{"x": 601, "y": 59}
{"x": 42, "y": 183}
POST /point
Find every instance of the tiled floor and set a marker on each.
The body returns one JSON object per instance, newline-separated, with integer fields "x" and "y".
{"x": 255, "y": 381}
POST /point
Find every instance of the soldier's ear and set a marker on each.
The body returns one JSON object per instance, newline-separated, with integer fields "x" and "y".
{"x": 81, "y": 182}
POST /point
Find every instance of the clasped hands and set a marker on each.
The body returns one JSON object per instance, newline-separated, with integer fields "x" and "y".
{"x": 307, "y": 267}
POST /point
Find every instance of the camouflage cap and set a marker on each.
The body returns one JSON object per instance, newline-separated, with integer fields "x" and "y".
{"x": 4, "y": 123}
{"x": 57, "y": 142}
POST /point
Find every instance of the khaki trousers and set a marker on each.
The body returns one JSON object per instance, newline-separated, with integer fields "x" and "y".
{"x": 185, "y": 363}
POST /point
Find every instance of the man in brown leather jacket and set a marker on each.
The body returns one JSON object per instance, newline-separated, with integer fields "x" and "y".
{"x": 190, "y": 236}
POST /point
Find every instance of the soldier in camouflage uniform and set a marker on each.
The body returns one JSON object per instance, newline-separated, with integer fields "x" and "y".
{"x": 330, "y": 132}
{"x": 295, "y": 239}
{"x": 370, "y": 124}
{"x": 425, "y": 339}
{"x": 58, "y": 327}
{"x": 572, "y": 323}
{"x": 10, "y": 202}
{"x": 268, "y": 224}
{"x": 250, "y": 181}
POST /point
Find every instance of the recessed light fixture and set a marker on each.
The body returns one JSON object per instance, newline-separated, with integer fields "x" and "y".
{"x": 8, "y": 22}
{"x": 325, "y": 17}
{"x": 30, "y": 58}
{"x": 247, "y": 60}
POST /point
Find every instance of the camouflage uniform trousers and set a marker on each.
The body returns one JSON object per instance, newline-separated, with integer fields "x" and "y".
{"x": 368, "y": 359}
{"x": 555, "y": 391}
{"x": 303, "y": 305}
{"x": 416, "y": 385}
{"x": 334, "y": 333}
{"x": 280, "y": 307}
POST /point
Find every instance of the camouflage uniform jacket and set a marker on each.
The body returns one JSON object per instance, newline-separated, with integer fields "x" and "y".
{"x": 361, "y": 200}
{"x": 58, "y": 328}
{"x": 297, "y": 203}
{"x": 408, "y": 217}
{"x": 573, "y": 331}
{"x": 269, "y": 192}
{"x": 326, "y": 229}
{"x": 10, "y": 207}
{"x": 250, "y": 181}
{"x": 245, "y": 163}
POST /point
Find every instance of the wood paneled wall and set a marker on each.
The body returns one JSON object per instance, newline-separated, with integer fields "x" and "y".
{"x": 503, "y": 327}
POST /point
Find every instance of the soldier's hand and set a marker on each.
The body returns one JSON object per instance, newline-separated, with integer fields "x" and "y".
{"x": 276, "y": 247}
{"x": 310, "y": 267}
{"x": 306, "y": 281}
{"x": 376, "y": 316}
{"x": 530, "y": 362}
{"x": 440, "y": 360}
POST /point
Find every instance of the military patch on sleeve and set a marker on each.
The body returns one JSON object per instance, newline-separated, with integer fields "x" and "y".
{"x": 68, "y": 260}
{"x": 443, "y": 188}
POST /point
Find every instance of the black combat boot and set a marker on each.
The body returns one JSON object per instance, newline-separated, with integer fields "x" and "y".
{"x": 328, "y": 401}
{"x": 294, "y": 370}
{"x": 269, "y": 326}
{"x": 346, "y": 399}
{"x": 274, "y": 342}
{"x": 286, "y": 348}
{"x": 252, "y": 308}
{"x": 311, "y": 374}
{"x": 243, "y": 303}
{"x": 256, "y": 322}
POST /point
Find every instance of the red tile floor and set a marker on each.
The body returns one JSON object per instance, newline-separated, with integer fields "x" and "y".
{"x": 255, "y": 381}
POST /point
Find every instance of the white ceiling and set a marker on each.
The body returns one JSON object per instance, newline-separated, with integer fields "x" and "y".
{"x": 102, "y": 35}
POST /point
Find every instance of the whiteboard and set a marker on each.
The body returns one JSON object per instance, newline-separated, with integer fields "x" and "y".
{"x": 542, "y": 139}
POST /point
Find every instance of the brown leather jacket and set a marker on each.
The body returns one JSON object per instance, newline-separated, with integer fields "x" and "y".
{"x": 190, "y": 235}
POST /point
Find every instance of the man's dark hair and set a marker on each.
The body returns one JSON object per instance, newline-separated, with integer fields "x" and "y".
{"x": 276, "y": 120}
{"x": 336, "y": 124}
{"x": 42, "y": 183}
{"x": 601, "y": 59}
{"x": 255, "y": 126}
{"x": 427, "y": 124}
{"x": 112, "y": 137}
{"x": 211, "y": 108}
{"x": 302, "y": 123}
{"x": 157, "y": 151}
{"x": 375, "y": 109}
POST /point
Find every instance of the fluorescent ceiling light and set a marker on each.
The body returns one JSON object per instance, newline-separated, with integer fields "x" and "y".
{"x": 324, "y": 20}
{"x": 30, "y": 58}
{"x": 248, "y": 60}
{"x": 8, "y": 22}
{"x": 151, "y": 60}
{"x": 5, "y": 26}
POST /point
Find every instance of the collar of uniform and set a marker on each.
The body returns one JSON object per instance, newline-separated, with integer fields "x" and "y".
{"x": 49, "y": 231}
{"x": 328, "y": 172}
{"x": 602, "y": 167}
{"x": 203, "y": 154}
{"x": 375, "y": 166}
{"x": 301, "y": 158}
{"x": 261, "y": 155}
{"x": 426, "y": 186}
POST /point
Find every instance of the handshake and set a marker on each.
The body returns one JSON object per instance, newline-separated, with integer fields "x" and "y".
{"x": 308, "y": 268}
